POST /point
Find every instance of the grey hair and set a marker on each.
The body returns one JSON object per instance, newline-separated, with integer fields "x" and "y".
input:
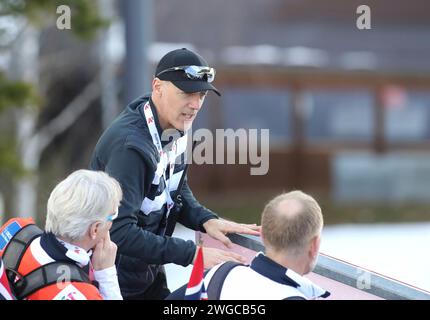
{"x": 78, "y": 201}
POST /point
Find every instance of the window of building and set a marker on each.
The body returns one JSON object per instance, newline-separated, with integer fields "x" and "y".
{"x": 339, "y": 115}
{"x": 260, "y": 108}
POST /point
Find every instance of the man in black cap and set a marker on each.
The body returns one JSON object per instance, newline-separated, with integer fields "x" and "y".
{"x": 151, "y": 171}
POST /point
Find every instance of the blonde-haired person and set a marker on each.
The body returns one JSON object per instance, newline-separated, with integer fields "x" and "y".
{"x": 291, "y": 232}
{"x": 80, "y": 212}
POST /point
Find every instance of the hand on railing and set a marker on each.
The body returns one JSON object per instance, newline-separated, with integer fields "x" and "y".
{"x": 218, "y": 228}
{"x": 213, "y": 256}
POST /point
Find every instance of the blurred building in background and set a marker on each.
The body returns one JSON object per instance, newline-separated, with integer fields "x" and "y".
{"x": 348, "y": 109}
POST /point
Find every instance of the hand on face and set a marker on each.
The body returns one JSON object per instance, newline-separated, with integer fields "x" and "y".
{"x": 104, "y": 253}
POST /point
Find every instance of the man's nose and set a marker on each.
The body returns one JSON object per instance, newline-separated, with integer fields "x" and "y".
{"x": 195, "y": 101}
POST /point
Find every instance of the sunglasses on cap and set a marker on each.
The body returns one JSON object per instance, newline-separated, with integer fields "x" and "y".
{"x": 112, "y": 216}
{"x": 194, "y": 72}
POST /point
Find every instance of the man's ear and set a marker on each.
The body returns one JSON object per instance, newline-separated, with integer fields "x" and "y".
{"x": 94, "y": 230}
{"x": 314, "y": 246}
{"x": 156, "y": 86}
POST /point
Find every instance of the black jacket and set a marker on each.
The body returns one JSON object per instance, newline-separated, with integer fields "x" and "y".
{"x": 126, "y": 152}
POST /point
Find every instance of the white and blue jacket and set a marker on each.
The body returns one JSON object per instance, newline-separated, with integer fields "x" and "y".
{"x": 265, "y": 279}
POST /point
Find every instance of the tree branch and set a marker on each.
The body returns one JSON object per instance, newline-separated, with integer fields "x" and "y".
{"x": 69, "y": 115}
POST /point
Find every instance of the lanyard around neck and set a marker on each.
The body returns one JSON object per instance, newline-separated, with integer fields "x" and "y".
{"x": 166, "y": 158}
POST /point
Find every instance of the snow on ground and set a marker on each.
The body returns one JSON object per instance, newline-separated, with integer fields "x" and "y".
{"x": 400, "y": 251}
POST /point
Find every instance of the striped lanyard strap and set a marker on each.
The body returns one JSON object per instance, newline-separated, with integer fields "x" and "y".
{"x": 166, "y": 158}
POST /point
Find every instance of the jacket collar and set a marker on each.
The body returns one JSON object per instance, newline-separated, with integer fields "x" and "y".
{"x": 275, "y": 272}
{"x": 62, "y": 251}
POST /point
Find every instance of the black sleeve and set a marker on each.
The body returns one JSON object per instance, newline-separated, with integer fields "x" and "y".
{"x": 193, "y": 214}
{"x": 132, "y": 171}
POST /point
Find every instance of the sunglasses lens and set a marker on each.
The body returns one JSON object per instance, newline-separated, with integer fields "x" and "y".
{"x": 194, "y": 72}
{"x": 201, "y": 73}
{"x": 211, "y": 75}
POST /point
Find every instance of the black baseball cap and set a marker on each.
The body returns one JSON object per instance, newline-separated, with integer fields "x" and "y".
{"x": 180, "y": 58}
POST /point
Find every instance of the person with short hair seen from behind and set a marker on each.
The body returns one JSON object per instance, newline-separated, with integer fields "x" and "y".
{"x": 291, "y": 233}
